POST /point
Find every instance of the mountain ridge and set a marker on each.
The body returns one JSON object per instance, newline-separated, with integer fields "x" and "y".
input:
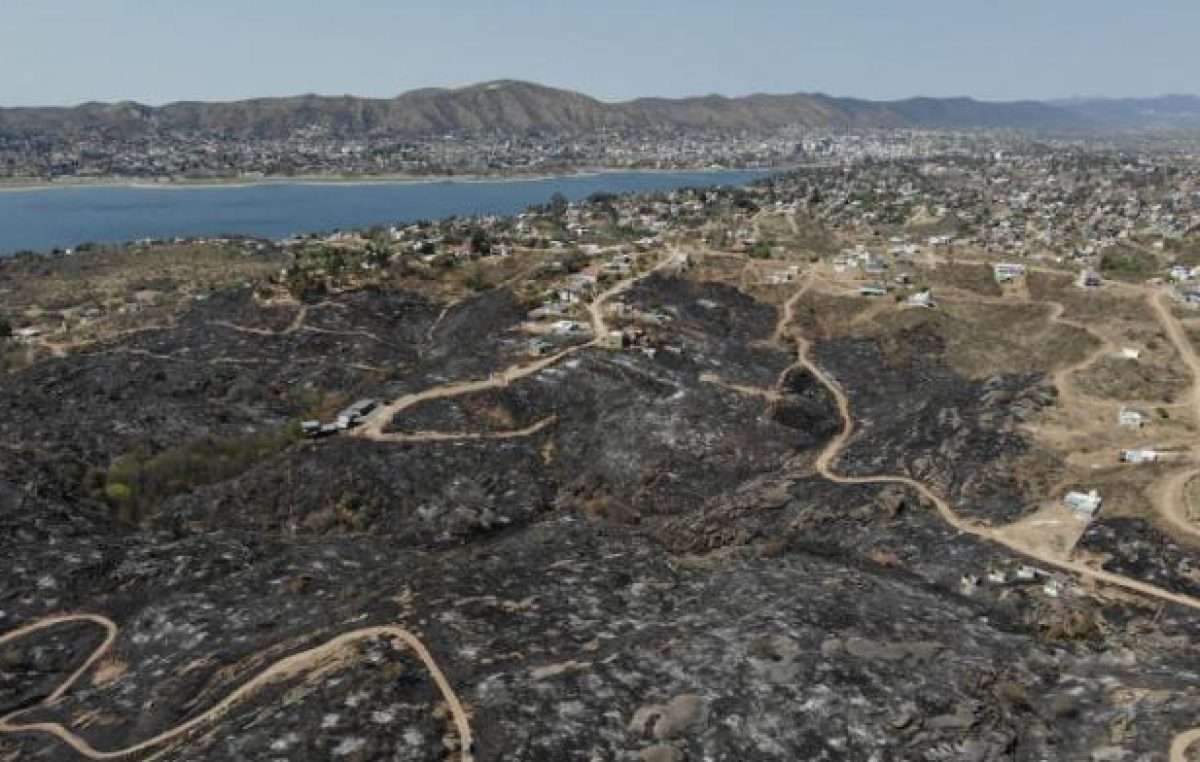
{"x": 512, "y": 106}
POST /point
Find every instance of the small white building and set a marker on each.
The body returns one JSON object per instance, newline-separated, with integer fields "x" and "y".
{"x": 922, "y": 299}
{"x": 1006, "y": 272}
{"x": 1139, "y": 456}
{"x": 1131, "y": 418}
{"x": 1054, "y": 588}
{"x": 786, "y": 275}
{"x": 27, "y": 335}
{"x": 1085, "y": 504}
{"x": 1026, "y": 573}
{"x": 872, "y": 289}
{"x": 540, "y": 348}
{"x": 567, "y": 327}
{"x": 1129, "y": 353}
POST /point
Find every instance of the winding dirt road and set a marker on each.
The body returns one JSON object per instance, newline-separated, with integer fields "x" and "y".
{"x": 414, "y": 437}
{"x": 373, "y": 427}
{"x": 283, "y": 669}
{"x": 1171, "y": 497}
{"x": 825, "y": 465}
{"x": 292, "y": 327}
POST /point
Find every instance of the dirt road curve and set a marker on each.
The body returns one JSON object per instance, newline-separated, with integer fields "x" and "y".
{"x": 452, "y": 436}
{"x": 1171, "y": 496}
{"x": 373, "y": 427}
{"x": 283, "y": 669}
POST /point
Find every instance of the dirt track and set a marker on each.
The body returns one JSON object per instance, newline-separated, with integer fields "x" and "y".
{"x": 826, "y": 460}
{"x": 1171, "y": 497}
{"x": 373, "y": 427}
{"x": 283, "y": 669}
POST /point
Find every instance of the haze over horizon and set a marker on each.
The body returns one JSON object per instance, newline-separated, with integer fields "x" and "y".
{"x": 222, "y": 50}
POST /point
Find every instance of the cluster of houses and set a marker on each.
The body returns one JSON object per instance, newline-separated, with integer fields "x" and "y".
{"x": 349, "y": 418}
{"x": 1023, "y": 575}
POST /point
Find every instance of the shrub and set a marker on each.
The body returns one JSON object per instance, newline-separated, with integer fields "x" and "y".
{"x": 137, "y": 482}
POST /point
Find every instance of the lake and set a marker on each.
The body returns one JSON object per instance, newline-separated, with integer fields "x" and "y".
{"x": 43, "y": 219}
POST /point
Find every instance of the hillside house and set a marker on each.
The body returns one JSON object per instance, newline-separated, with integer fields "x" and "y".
{"x": 614, "y": 340}
{"x": 922, "y": 299}
{"x": 786, "y": 275}
{"x": 1088, "y": 278}
{"x": 617, "y": 308}
{"x": 1084, "y": 504}
{"x": 567, "y": 327}
{"x": 550, "y": 309}
{"x": 873, "y": 289}
{"x": 873, "y": 265}
{"x": 585, "y": 280}
{"x": 1026, "y": 573}
{"x": 1131, "y": 418}
{"x": 1006, "y": 272}
{"x": 968, "y": 584}
{"x": 1054, "y": 588}
{"x": 1135, "y": 457}
{"x": 622, "y": 264}
{"x": 354, "y": 415}
{"x": 27, "y": 335}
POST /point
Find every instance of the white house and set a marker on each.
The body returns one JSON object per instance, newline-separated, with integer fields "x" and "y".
{"x": 1085, "y": 504}
{"x": 1027, "y": 573}
{"x": 1139, "y": 456}
{"x": 567, "y": 327}
{"x": 1005, "y": 272}
{"x": 872, "y": 289}
{"x": 922, "y": 299}
{"x": 1130, "y": 418}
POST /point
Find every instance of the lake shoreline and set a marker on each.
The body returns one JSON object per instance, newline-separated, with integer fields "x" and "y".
{"x": 353, "y": 180}
{"x": 46, "y": 219}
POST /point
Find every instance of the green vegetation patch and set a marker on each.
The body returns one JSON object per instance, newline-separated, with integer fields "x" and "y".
{"x": 1127, "y": 264}
{"x": 135, "y": 483}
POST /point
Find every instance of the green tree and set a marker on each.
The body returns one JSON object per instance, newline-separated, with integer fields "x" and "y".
{"x": 305, "y": 286}
{"x": 558, "y": 205}
{"x": 481, "y": 243}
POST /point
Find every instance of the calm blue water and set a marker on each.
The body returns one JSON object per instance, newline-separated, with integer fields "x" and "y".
{"x": 65, "y": 217}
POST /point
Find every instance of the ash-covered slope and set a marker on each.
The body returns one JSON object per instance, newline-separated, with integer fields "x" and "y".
{"x": 660, "y": 576}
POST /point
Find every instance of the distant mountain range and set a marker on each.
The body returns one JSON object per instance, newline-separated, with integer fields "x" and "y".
{"x": 521, "y": 108}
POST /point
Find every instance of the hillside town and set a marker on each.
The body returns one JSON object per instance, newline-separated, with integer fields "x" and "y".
{"x": 1103, "y": 215}
{"x": 168, "y": 156}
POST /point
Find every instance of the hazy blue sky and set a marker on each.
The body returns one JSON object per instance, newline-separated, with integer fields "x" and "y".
{"x": 67, "y": 51}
